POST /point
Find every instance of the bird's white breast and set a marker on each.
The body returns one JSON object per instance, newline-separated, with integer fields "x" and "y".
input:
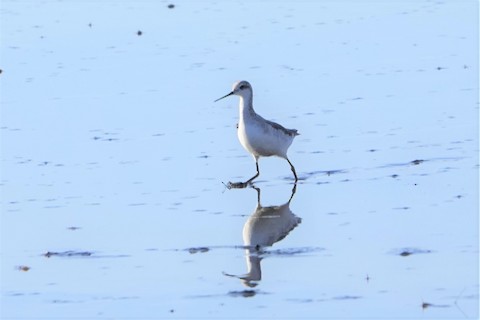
{"x": 261, "y": 139}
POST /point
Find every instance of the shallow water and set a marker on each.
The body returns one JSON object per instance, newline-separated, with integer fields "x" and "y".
{"x": 115, "y": 160}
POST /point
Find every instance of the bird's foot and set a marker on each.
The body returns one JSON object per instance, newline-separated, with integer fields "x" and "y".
{"x": 237, "y": 185}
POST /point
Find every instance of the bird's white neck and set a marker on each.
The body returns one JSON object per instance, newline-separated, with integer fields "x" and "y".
{"x": 246, "y": 107}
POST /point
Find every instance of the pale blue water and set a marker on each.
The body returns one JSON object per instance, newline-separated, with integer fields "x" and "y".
{"x": 114, "y": 158}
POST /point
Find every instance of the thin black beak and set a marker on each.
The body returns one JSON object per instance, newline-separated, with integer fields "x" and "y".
{"x": 224, "y": 96}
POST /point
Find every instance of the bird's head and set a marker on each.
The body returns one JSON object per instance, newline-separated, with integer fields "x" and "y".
{"x": 240, "y": 88}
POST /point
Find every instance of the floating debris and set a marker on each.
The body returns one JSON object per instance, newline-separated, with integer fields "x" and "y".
{"x": 139, "y": 33}
{"x": 22, "y": 268}
{"x": 74, "y": 228}
{"x": 171, "y": 6}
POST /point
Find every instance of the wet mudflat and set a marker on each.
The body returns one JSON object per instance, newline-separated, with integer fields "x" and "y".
{"x": 115, "y": 160}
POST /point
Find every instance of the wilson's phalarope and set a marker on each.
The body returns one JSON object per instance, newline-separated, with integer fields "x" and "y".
{"x": 260, "y": 137}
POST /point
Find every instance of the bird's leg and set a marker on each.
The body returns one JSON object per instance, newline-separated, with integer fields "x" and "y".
{"x": 294, "y": 189}
{"x": 258, "y": 195}
{"x": 239, "y": 185}
{"x": 258, "y": 173}
{"x": 293, "y": 170}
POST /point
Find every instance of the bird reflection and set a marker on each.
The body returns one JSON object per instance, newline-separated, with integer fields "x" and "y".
{"x": 266, "y": 226}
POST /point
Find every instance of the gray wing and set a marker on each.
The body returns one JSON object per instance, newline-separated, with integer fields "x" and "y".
{"x": 290, "y": 132}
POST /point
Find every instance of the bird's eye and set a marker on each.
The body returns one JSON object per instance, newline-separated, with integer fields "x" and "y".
{"x": 242, "y": 87}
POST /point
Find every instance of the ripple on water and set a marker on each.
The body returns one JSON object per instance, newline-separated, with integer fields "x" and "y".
{"x": 405, "y": 252}
{"x": 49, "y": 254}
{"x": 80, "y": 254}
{"x": 198, "y": 250}
{"x": 311, "y": 174}
{"x": 293, "y": 251}
{"x": 243, "y": 293}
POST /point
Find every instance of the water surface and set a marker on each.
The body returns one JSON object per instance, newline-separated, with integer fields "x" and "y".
{"x": 115, "y": 160}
